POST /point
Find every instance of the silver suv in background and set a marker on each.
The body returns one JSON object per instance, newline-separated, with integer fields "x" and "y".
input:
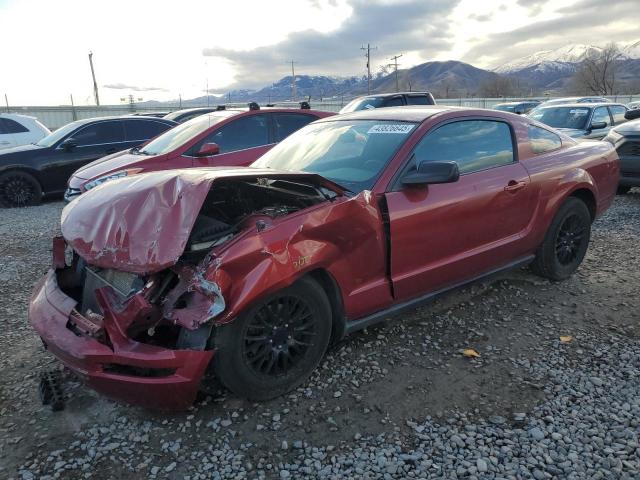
{"x": 381, "y": 100}
{"x": 581, "y": 120}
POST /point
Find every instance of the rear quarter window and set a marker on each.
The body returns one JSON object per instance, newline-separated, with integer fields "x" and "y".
{"x": 543, "y": 140}
{"x": 11, "y": 126}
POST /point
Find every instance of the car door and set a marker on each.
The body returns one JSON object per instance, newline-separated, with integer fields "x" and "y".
{"x": 241, "y": 140}
{"x": 600, "y": 114}
{"x": 617, "y": 114}
{"x": 6, "y": 138}
{"x": 445, "y": 234}
{"x": 90, "y": 143}
{"x": 284, "y": 124}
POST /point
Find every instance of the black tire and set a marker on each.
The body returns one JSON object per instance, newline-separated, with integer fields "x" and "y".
{"x": 19, "y": 189}
{"x": 265, "y": 353}
{"x": 565, "y": 243}
{"x": 623, "y": 190}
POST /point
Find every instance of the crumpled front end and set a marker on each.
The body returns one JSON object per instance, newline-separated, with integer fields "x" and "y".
{"x": 103, "y": 325}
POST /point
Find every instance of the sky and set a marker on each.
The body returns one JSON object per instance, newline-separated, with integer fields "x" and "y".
{"x": 160, "y": 50}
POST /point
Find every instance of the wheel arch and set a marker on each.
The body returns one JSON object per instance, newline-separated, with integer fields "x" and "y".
{"x": 22, "y": 168}
{"x": 331, "y": 288}
{"x": 588, "y": 197}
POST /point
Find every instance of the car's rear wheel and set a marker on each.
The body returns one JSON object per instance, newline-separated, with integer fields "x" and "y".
{"x": 275, "y": 345}
{"x": 623, "y": 189}
{"x": 19, "y": 189}
{"x": 565, "y": 243}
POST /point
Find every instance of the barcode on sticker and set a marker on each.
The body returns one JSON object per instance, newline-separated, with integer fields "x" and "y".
{"x": 391, "y": 128}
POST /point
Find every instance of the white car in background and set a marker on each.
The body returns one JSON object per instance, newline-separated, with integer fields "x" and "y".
{"x": 16, "y": 130}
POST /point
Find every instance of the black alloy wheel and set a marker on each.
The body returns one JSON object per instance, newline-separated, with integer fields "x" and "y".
{"x": 279, "y": 335}
{"x": 19, "y": 189}
{"x": 566, "y": 241}
{"x": 273, "y": 346}
{"x": 570, "y": 239}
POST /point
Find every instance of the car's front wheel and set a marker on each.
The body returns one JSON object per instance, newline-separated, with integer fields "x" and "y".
{"x": 275, "y": 345}
{"x": 19, "y": 189}
{"x": 565, "y": 243}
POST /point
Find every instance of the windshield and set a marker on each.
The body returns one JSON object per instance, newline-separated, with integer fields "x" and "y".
{"x": 362, "y": 104}
{"x": 505, "y": 108}
{"x": 562, "y": 117}
{"x": 179, "y": 135}
{"x": 59, "y": 134}
{"x": 350, "y": 153}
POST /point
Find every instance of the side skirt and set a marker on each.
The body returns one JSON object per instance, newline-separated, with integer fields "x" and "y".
{"x": 397, "y": 309}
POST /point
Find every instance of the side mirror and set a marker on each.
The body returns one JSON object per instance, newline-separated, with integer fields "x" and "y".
{"x": 632, "y": 114}
{"x": 69, "y": 144}
{"x": 598, "y": 125}
{"x": 432, "y": 172}
{"x": 208, "y": 149}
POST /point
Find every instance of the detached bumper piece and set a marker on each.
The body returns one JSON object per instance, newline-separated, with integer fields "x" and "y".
{"x": 51, "y": 389}
{"x": 97, "y": 349}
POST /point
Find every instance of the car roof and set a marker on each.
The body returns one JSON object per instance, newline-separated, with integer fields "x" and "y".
{"x": 407, "y": 113}
{"x": 583, "y": 105}
{"x": 377, "y": 95}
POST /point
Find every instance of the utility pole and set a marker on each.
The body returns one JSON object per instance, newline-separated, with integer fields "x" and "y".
{"x": 73, "y": 108}
{"x": 93, "y": 75}
{"x": 395, "y": 65}
{"x": 6, "y": 101}
{"x": 368, "y": 56}
{"x": 293, "y": 81}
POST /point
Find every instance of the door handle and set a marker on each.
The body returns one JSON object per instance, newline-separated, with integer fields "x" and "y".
{"x": 514, "y": 186}
{"x": 110, "y": 150}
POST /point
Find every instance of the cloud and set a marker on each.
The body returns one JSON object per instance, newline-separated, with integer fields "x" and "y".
{"x": 481, "y": 17}
{"x": 583, "y": 22}
{"x": 122, "y": 86}
{"x": 398, "y": 27}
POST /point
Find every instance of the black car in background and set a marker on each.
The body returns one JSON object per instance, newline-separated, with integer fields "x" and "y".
{"x": 29, "y": 172}
{"x": 517, "y": 107}
{"x": 381, "y": 100}
{"x": 626, "y": 139}
{"x": 182, "y": 116}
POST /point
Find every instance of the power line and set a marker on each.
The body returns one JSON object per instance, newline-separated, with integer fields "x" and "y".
{"x": 395, "y": 65}
{"x": 368, "y": 49}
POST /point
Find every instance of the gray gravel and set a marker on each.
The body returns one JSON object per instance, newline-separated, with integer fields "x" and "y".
{"x": 398, "y": 401}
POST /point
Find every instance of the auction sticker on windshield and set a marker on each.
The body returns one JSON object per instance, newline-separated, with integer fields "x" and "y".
{"x": 391, "y": 128}
{"x": 579, "y": 111}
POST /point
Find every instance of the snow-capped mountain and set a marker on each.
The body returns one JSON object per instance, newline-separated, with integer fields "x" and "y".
{"x": 564, "y": 58}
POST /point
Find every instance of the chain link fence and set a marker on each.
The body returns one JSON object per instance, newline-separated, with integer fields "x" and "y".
{"x": 55, "y": 117}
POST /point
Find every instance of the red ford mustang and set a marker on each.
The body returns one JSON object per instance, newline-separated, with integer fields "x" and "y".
{"x": 251, "y": 272}
{"x": 231, "y": 137}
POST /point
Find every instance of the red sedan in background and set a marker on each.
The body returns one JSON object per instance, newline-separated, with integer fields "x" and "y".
{"x": 230, "y": 137}
{"x": 252, "y": 272}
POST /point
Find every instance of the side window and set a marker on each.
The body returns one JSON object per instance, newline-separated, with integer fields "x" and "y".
{"x": 617, "y": 112}
{"x": 418, "y": 100}
{"x": 394, "y": 102}
{"x": 3, "y": 131}
{"x": 287, "y": 123}
{"x": 99, "y": 133}
{"x": 542, "y": 140}
{"x": 245, "y": 132}
{"x": 143, "y": 129}
{"x": 601, "y": 114}
{"x": 474, "y": 144}
{"x": 11, "y": 126}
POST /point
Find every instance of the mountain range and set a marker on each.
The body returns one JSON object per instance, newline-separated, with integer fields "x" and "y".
{"x": 543, "y": 72}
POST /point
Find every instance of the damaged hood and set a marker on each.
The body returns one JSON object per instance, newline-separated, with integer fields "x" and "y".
{"x": 142, "y": 223}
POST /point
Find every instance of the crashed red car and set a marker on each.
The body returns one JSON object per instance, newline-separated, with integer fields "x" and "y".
{"x": 252, "y": 272}
{"x": 231, "y": 137}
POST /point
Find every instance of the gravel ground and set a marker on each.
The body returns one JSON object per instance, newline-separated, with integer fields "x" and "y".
{"x": 397, "y": 401}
